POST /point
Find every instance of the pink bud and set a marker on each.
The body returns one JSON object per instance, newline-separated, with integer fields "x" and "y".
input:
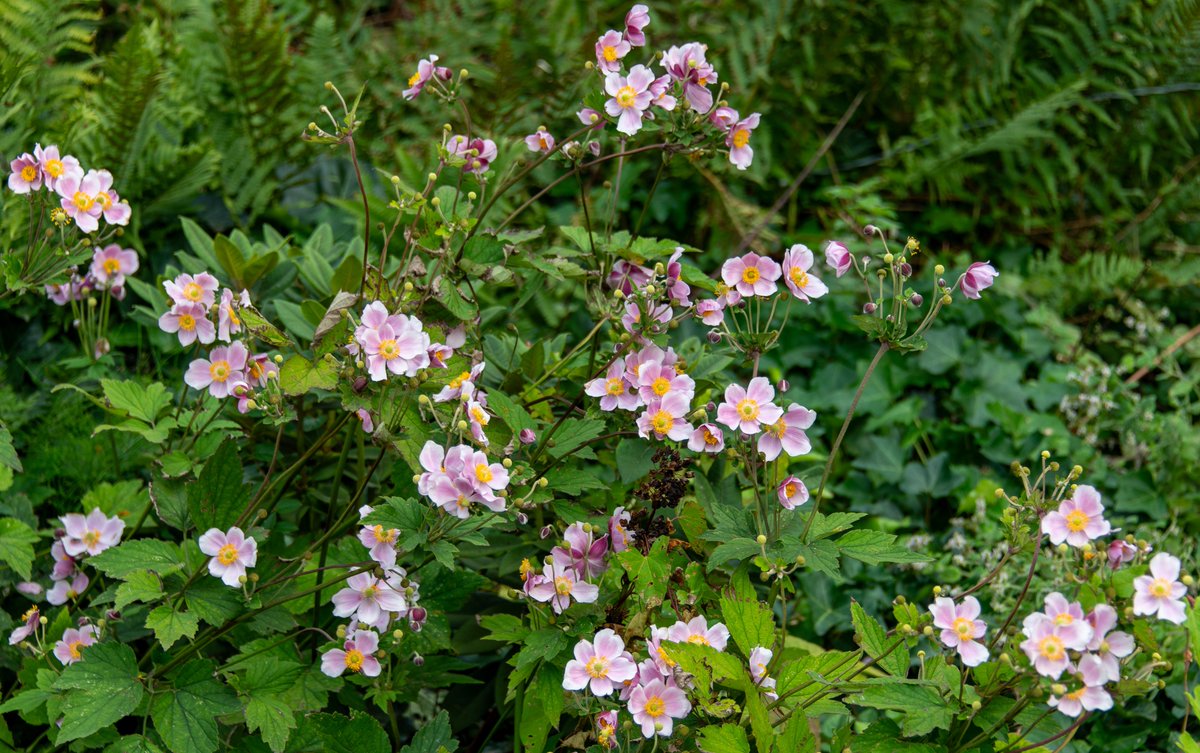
{"x": 916, "y": 300}
{"x": 783, "y": 385}
{"x": 869, "y": 308}
{"x": 870, "y": 230}
{"x": 418, "y": 660}
{"x": 547, "y": 532}
{"x": 713, "y": 336}
{"x": 527, "y": 436}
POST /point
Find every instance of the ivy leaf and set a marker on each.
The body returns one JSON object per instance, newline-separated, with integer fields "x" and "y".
{"x": 873, "y": 639}
{"x": 169, "y": 625}
{"x": 102, "y": 689}
{"x": 433, "y": 737}
{"x": 185, "y": 714}
{"x": 219, "y": 496}
{"x": 138, "y": 555}
{"x": 750, "y": 623}
{"x": 16, "y": 546}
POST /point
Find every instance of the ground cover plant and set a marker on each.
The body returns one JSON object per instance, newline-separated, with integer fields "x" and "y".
{"x": 440, "y": 412}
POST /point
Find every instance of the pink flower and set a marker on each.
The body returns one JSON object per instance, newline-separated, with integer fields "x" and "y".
{"x": 838, "y": 257}
{"x": 1044, "y": 646}
{"x": 588, "y": 116}
{"x": 1077, "y": 520}
{"x": 64, "y": 590}
{"x": 558, "y": 586}
{"x": 190, "y": 322}
{"x": 115, "y": 211}
{"x": 797, "y": 261}
{"x": 1109, "y": 646}
{"x": 110, "y": 265}
{"x": 787, "y": 434}
{"x": 456, "y": 495}
{"x": 478, "y": 153}
{"x": 738, "y": 140}
{"x": 78, "y": 199}
{"x": 611, "y": 47}
{"x": 364, "y": 415}
{"x": 200, "y": 289}
{"x": 426, "y": 69}
{"x": 698, "y": 632}
{"x": 625, "y": 276}
{"x": 636, "y": 19}
{"x": 711, "y": 312}
{"x": 1068, "y": 618}
{"x": 461, "y": 386}
{"x": 381, "y": 542}
{"x": 232, "y": 552}
{"x": 1121, "y": 552}
{"x": 25, "y": 627}
{"x": 979, "y": 276}
{"x": 677, "y": 290}
{"x": 665, "y": 418}
{"x": 582, "y": 551}
{"x": 402, "y": 348}
{"x": 707, "y": 438}
{"x": 599, "y": 663}
{"x": 751, "y": 274}
{"x": 228, "y": 322}
{"x": 655, "y": 707}
{"x": 259, "y": 368}
{"x": 618, "y": 530}
{"x": 749, "y": 408}
{"x": 55, "y": 167}
{"x": 613, "y": 389}
{"x": 656, "y": 381}
{"x": 64, "y": 564}
{"x": 92, "y": 534}
{"x": 488, "y": 478}
{"x": 687, "y": 65}
{"x": 760, "y": 658}
{"x": 961, "y": 627}
{"x": 368, "y": 599}
{"x": 220, "y": 371}
{"x": 1160, "y": 592}
{"x": 634, "y": 319}
{"x": 26, "y": 175}
{"x": 792, "y": 493}
{"x": 1090, "y": 697}
{"x": 540, "y": 141}
{"x": 68, "y": 649}
{"x": 728, "y": 296}
{"x": 724, "y": 117}
{"x": 357, "y": 655}
{"x": 660, "y": 94}
{"x": 30, "y": 588}
{"x": 630, "y": 97}
{"x": 606, "y": 729}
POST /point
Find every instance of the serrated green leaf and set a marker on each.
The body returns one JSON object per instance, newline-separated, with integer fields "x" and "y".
{"x": 122, "y": 560}
{"x": 734, "y": 549}
{"x": 103, "y": 688}
{"x": 876, "y": 547}
{"x": 648, "y": 572}
{"x": 16, "y": 546}
{"x": 873, "y": 639}
{"x": 220, "y": 495}
{"x": 358, "y": 733}
{"x": 923, "y": 709}
{"x": 433, "y": 737}
{"x": 750, "y": 623}
{"x": 299, "y": 376}
{"x": 169, "y": 625}
{"x": 140, "y": 585}
{"x": 185, "y": 712}
{"x": 573, "y": 433}
{"x": 727, "y": 738}
{"x": 141, "y": 402}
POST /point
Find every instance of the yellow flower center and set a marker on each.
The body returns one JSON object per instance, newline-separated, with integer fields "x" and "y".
{"x": 1051, "y": 647}
{"x": 655, "y": 706}
{"x": 384, "y": 537}
{"x": 82, "y": 201}
{"x": 1075, "y": 695}
{"x": 28, "y": 173}
{"x": 414, "y": 79}
{"x": 597, "y": 666}
{"x": 1063, "y": 618}
{"x": 750, "y": 275}
{"x": 662, "y": 654}
{"x": 227, "y": 555}
{"x": 747, "y": 409}
{"x": 1161, "y": 587}
{"x": 609, "y": 52}
{"x": 389, "y": 350}
{"x": 193, "y": 292}
{"x": 741, "y": 138}
{"x": 233, "y": 318}
{"x": 255, "y": 369}
{"x": 54, "y": 167}
{"x": 462, "y": 502}
{"x": 91, "y": 538}
{"x": 28, "y": 614}
{"x": 111, "y": 266}
{"x": 457, "y": 381}
{"x": 219, "y": 371}
{"x": 799, "y": 277}
{"x": 483, "y": 472}
{"x": 698, "y": 639}
{"x": 626, "y": 96}
{"x": 525, "y": 569}
{"x": 615, "y": 386}
{"x": 1077, "y": 520}
{"x": 710, "y": 439}
{"x": 354, "y": 660}
{"x": 778, "y": 428}
{"x": 480, "y": 417}
{"x": 104, "y": 200}
{"x": 563, "y": 585}
{"x": 964, "y": 627}
{"x": 662, "y": 422}
{"x": 661, "y": 386}
{"x": 789, "y": 490}
{"x": 73, "y": 647}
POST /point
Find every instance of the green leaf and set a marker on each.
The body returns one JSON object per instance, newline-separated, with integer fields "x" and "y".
{"x": 299, "y": 376}
{"x": 876, "y": 547}
{"x": 573, "y": 433}
{"x": 648, "y": 573}
{"x": 484, "y": 249}
{"x": 827, "y": 525}
{"x": 133, "y": 744}
{"x": 634, "y": 459}
{"x": 8, "y": 454}
{"x": 185, "y": 713}
{"x": 734, "y": 549}
{"x": 801, "y": 678}
{"x": 750, "y": 623}
{"x": 219, "y": 496}
{"x": 139, "y": 585}
{"x": 213, "y": 601}
{"x": 16, "y": 546}
{"x": 708, "y": 665}
{"x": 169, "y": 625}
{"x": 102, "y": 689}
{"x": 728, "y": 738}
{"x": 232, "y": 260}
{"x": 433, "y": 737}
{"x": 262, "y": 329}
{"x": 504, "y": 628}
{"x": 293, "y": 318}
{"x": 357, "y": 734}
{"x": 452, "y": 299}
{"x": 923, "y": 709}
{"x": 342, "y": 302}
{"x": 541, "y": 709}
{"x": 268, "y": 712}
{"x": 873, "y": 639}
{"x": 142, "y": 403}
{"x": 510, "y": 411}
{"x": 122, "y": 560}
{"x": 823, "y": 557}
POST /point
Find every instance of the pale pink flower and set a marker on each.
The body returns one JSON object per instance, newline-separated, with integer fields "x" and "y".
{"x": 110, "y": 265}
{"x": 1044, "y": 646}
{"x": 1090, "y": 697}
{"x": 741, "y": 154}
{"x": 656, "y": 381}
{"x": 688, "y": 66}
{"x": 228, "y": 323}
{"x": 724, "y": 117}
{"x": 78, "y": 200}
{"x": 655, "y": 706}
{"x": 381, "y": 542}
{"x": 638, "y": 322}
{"x": 787, "y": 434}
{"x": 606, "y": 729}
{"x": 1069, "y": 619}
{"x": 426, "y": 70}
{"x": 200, "y": 289}
{"x": 488, "y": 478}
{"x": 478, "y": 153}
{"x": 961, "y": 628}
{"x": 582, "y": 550}
{"x": 1077, "y": 520}
{"x": 540, "y": 141}
{"x": 797, "y": 261}
{"x": 64, "y": 564}
{"x": 677, "y": 290}
{"x": 838, "y": 257}
{"x": 68, "y": 649}
{"x": 232, "y": 552}
{"x": 591, "y": 117}
{"x": 1160, "y": 593}
{"x": 190, "y": 322}
{"x": 558, "y": 586}
{"x": 400, "y": 350}
{"x": 1121, "y": 552}
{"x": 665, "y": 418}
{"x": 618, "y": 530}
{"x": 364, "y": 416}
{"x": 598, "y": 664}
{"x": 115, "y": 211}
{"x": 367, "y": 598}
{"x": 979, "y": 276}
{"x": 220, "y": 371}
{"x": 614, "y": 389}
{"x": 698, "y": 632}
{"x": 625, "y": 276}
{"x": 357, "y": 655}
{"x": 25, "y": 626}
{"x": 56, "y": 167}
{"x": 707, "y": 438}
{"x": 748, "y": 408}
{"x": 751, "y": 274}
{"x": 760, "y": 658}
{"x": 611, "y": 47}
{"x": 660, "y": 94}
{"x": 259, "y": 368}
{"x": 457, "y": 495}
{"x": 26, "y": 175}
{"x": 461, "y": 386}
{"x": 637, "y": 19}
{"x": 1108, "y": 645}
{"x": 30, "y": 588}
{"x": 67, "y": 590}
{"x": 92, "y": 534}
{"x": 660, "y": 665}
{"x": 728, "y": 296}
{"x": 630, "y": 96}
{"x": 792, "y": 493}
{"x": 711, "y": 312}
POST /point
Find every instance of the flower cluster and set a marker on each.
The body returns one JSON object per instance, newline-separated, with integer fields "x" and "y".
{"x": 460, "y": 477}
{"x": 108, "y": 270}
{"x": 582, "y": 556}
{"x": 84, "y": 197}
{"x": 391, "y": 343}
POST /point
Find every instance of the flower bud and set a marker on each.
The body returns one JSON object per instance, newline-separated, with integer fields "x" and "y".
{"x": 761, "y": 539}
{"x": 360, "y": 384}
{"x": 939, "y": 270}
{"x": 937, "y": 590}
{"x": 976, "y": 705}
{"x": 783, "y": 385}
{"x": 927, "y": 630}
{"x": 946, "y": 299}
{"x": 527, "y": 436}
{"x": 1188, "y": 581}
{"x": 1063, "y": 548}
{"x": 869, "y": 308}
{"x": 710, "y": 406}
{"x": 462, "y": 425}
{"x": 870, "y": 230}
{"x": 418, "y": 660}
{"x": 341, "y": 631}
{"x": 542, "y": 482}
{"x": 547, "y": 532}
{"x": 650, "y": 290}
{"x": 1058, "y": 688}
{"x": 242, "y": 579}
{"x": 888, "y": 258}
{"x": 713, "y": 336}
{"x": 522, "y": 518}
{"x": 906, "y": 270}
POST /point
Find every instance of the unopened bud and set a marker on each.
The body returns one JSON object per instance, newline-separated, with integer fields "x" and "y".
{"x": 939, "y": 270}
{"x": 278, "y": 359}
{"x": 927, "y": 630}
{"x": 242, "y": 579}
{"x": 650, "y": 290}
{"x": 1188, "y": 581}
{"x": 1058, "y": 688}
{"x": 946, "y": 299}
{"x": 916, "y": 299}
{"x": 435, "y": 202}
{"x": 462, "y": 425}
{"x": 870, "y": 230}
{"x": 761, "y": 539}
{"x": 713, "y": 336}
{"x": 783, "y": 385}
{"x": 527, "y": 436}
{"x": 547, "y": 532}
{"x": 418, "y": 660}
{"x": 976, "y": 705}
